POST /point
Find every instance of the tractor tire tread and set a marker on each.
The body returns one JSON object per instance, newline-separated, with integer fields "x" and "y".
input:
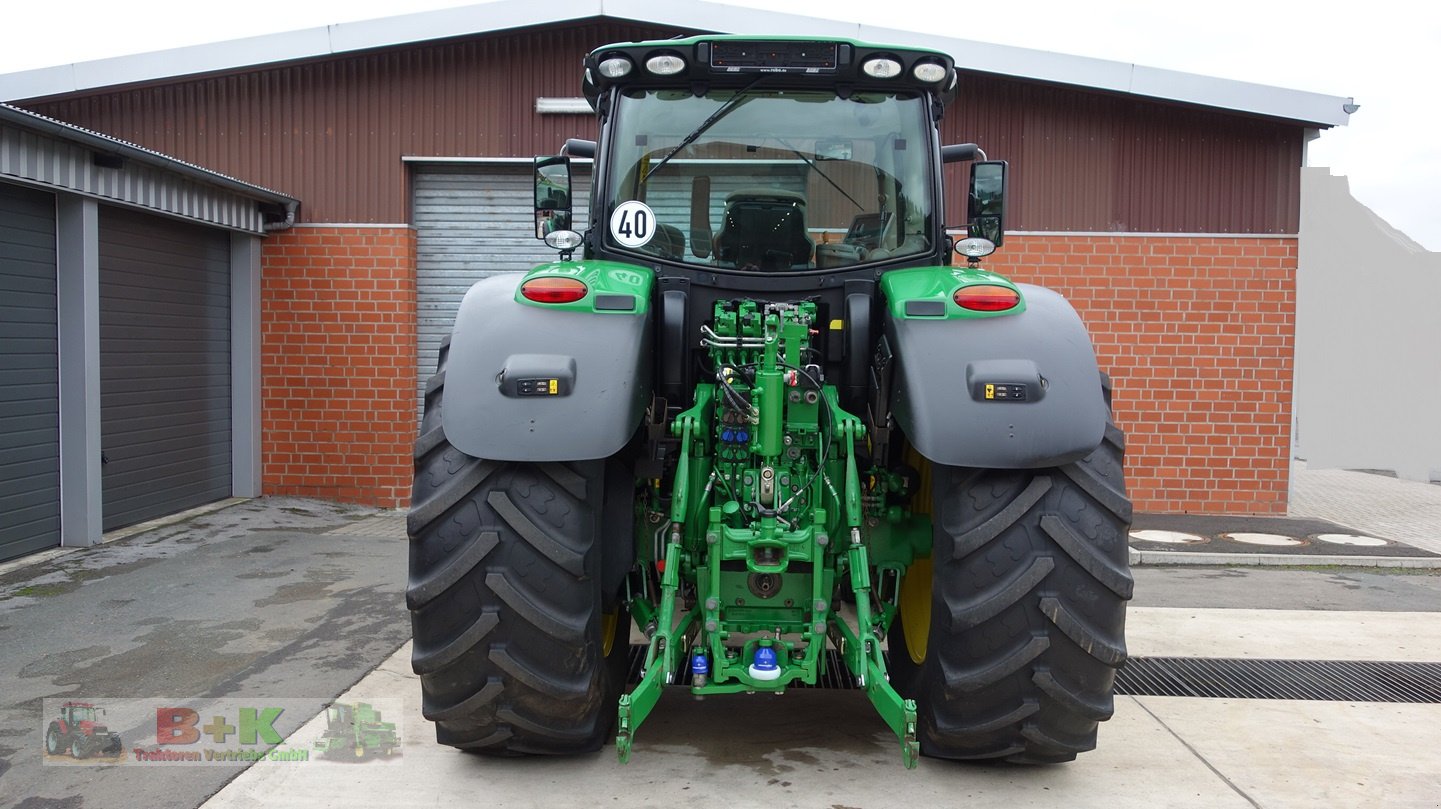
{"x": 1083, "y": 633}
{"x": 550, "y": 546}
{"x": 486, "y": 695}
{"x": 428, "y": 662}
{"x": 992, "y": 601}
{"x": 505, "y": 601}
{"x": 1029, "y": 589}
{"x": 533, "y": 609}
{"x": 981, "y": 535}
{"x": 453, "y": 570}
{"x": 1116, "y": 577}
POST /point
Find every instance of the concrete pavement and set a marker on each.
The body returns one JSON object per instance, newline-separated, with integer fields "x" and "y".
{"x": 286, "y": 598}
{"x": 268, "y": 599}
{"x": 827, "y": 748}
{"x": 1337, "y": 517}
{"x": 1402, "y": 510}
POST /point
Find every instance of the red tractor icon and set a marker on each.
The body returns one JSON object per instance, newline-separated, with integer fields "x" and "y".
{"x": 77, "y": 731}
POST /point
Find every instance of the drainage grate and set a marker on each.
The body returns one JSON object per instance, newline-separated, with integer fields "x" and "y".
{"x": 1232, "y": 678}
{"x": 1215, "y": 678}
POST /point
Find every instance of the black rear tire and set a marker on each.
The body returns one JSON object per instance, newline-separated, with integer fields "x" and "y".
{"x": 55, "y": 741}
{"x": 513, "y": 651}
{"x": 1028, "y": 594}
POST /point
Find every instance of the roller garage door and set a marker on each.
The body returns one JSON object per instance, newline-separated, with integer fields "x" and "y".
{"x": 164, "y": 366}
{"x": 471, "y": 221}
{"x": 29, "y": 378}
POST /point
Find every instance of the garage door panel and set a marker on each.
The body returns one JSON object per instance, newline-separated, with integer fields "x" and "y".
{"x": 164, "y": 366}
{"x": 29, "y": 394}
{"x": 177, "y": 458}
{"x": 471, "y": 222}
{"x": 33, "y": 432}
{"x": 184, "y": 366}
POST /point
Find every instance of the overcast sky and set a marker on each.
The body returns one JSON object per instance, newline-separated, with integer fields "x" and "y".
{"x": 1385, "y": 53}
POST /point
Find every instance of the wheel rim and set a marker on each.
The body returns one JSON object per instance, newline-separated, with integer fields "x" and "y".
{"x": 52, "y": 742}
{"x": 608, "y": 622}
{"x": 915, "y": 608}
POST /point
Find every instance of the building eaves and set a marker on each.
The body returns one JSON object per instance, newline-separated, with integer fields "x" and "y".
{"x": 108, "y": 145}
{"x": 1056, "y": 68}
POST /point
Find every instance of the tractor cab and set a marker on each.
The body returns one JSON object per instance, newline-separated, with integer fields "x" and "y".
{"x": 735, "y": 156}
{"x": 75, "y": 713}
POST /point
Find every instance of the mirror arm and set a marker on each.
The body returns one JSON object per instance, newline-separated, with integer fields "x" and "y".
{"x": 957, "y": 152}
{"x": 576, "y": 147}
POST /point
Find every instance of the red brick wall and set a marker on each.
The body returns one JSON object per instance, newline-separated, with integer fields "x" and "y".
{"x": 338, "y": 363}
{"x": 1198, "y": 335}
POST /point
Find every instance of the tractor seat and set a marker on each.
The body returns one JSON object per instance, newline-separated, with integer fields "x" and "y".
{"x": 764, "y": 229}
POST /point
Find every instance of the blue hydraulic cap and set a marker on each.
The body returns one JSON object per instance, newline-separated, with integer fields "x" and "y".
{"x": 699, "y": 669}
{"x": 742, "y": 436}
{"x": 764, "y": 665}
{"x": 728, "y": 435}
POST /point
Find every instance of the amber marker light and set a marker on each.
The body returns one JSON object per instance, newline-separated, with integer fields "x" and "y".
{"x": 987, "y": 298}
{"x": 550, "y": 289}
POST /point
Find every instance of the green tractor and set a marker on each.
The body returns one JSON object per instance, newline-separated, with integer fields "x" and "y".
{"x": 756, "y": 410}
{"x": 356, "y": 731}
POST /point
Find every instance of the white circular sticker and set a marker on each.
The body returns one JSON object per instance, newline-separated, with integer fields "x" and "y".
{"x": 633, "y": 223}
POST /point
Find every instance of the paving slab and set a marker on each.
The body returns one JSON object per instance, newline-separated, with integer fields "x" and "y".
{"x": 818, "y": 749}
{"x": 1283, "y": 753}
{"x": 1283, "y": 634}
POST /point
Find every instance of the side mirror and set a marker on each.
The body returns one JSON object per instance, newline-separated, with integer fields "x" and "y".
{"x": 986, "y": 215}
{"x": 552, "y": 195}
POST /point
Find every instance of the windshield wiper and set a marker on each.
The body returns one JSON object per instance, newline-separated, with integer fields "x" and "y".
{"x": 721, "y": 112}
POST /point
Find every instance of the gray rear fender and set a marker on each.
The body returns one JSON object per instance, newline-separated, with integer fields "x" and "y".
{"x": 503, "y": 357}
{"x": 1051, "y": 411}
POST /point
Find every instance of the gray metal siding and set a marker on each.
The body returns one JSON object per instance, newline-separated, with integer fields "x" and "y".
{"x": 29, "y": 378}
{"x": 331, "y": 131}
{"x": 472, "y": 221}
{"x": 48, "y": 161}
{"x": 164, "y": 366}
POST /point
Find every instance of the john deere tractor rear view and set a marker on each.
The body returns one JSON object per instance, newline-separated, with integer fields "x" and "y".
{"x": 758, "y": 411}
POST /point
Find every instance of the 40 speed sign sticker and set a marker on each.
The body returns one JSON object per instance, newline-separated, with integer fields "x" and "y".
{"x": 632, "y": 224}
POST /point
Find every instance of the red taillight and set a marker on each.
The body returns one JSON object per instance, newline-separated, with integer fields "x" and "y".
{"x": 987, "y": 298}
{"x": 550, "y": 289}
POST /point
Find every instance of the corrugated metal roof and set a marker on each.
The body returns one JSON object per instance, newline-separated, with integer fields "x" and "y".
{"x": 46, "y": 153}
{"x": 332, "y": 131}
{"x": 108, "y": 144}
{"x": 336, "y": 131}
{"x": 1117, "y": 77}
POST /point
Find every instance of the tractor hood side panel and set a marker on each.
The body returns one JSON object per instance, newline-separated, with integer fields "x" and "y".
{"x": 1015, "y": 392}
{"x": 530, "y": 383}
